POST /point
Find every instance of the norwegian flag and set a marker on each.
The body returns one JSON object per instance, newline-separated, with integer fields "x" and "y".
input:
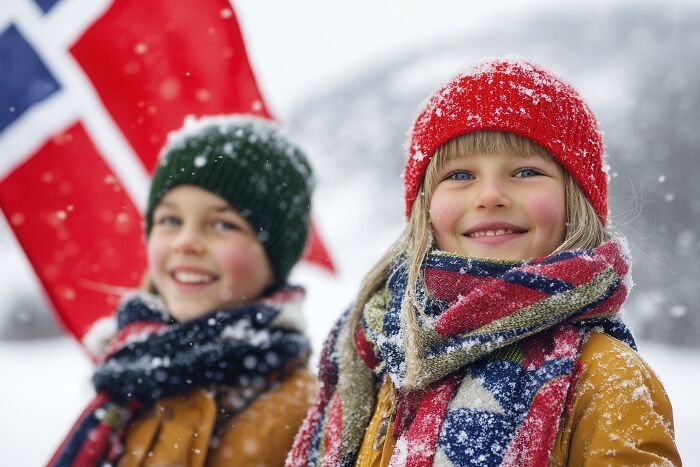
{"x": 88, "y": 93}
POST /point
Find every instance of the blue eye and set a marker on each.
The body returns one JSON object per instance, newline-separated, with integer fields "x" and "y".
{"x": 169, "y": 221}
{"x": 460, "y": 175}
{"x": 225, "y": 225}
{"x": 526, "y": 173}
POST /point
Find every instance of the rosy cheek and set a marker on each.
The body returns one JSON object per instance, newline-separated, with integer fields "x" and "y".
{"x": 548, "y": 214}
{"x": 444, "y": 214}
{"x": 243, "y": 261}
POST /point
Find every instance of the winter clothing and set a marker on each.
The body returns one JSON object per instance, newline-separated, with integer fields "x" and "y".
{"x": 517, "y": 97}
{"x": 502, "y": 342}
{"x": 619, "y": 406}
{"x": 532, "y": 296}
{"x": 185, "y": 431}
{"x": 597, "y": 423}
{"x": 154, "y": 360}
{"x": 515, "y": 362}
{"x": 248, "y": 162}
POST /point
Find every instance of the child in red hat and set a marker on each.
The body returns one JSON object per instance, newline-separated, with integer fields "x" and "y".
{"x": 489, "y": 333}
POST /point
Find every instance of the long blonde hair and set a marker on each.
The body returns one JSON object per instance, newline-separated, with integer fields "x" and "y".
{"x": 583, "y": 230}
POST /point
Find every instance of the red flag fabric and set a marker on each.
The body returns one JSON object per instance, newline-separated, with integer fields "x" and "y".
{"x": 73, "y": 193}
{"x": 154, "y": 62}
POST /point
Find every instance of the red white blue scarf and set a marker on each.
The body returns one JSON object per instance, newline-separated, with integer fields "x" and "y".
{"x": 502, "y": 343}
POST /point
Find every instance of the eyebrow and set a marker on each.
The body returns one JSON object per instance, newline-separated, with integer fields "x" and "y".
{"x": 217, "y": 208}
{"x": 165, "y": 204}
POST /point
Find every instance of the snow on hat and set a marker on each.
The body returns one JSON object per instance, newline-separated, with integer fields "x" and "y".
{"x": 519, "y": 97}
{"x": 248, "y": 162}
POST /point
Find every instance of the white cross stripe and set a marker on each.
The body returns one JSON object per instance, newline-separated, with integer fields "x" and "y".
{"x": 51, "y": 36}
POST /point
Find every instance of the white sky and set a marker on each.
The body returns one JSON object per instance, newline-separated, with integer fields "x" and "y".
{"x": 298, "y": 47}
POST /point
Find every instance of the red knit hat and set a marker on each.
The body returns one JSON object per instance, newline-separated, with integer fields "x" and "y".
{"x": 518, "y": 97}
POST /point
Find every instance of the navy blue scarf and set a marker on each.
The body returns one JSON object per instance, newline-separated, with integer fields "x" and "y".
{"x": 153, "y": 357}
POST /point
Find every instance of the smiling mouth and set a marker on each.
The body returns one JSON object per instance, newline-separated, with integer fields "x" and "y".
{"x": 492, "y": 233}
{"x": 192, "y": 278}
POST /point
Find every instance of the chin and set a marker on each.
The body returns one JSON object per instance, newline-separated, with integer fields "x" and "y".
{"x": 505, "y": 257}
{"x": 188, "y": 313}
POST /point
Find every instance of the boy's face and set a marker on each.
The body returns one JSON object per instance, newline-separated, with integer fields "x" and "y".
{"x": 499, "y": 206}
{"x": 202, "y": 255}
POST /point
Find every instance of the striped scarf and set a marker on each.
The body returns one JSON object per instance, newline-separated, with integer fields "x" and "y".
{"x": 501, "y": 345}
{"x": 153, "y": 357}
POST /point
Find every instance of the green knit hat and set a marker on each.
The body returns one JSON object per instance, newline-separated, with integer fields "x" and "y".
{"x": 248, "y": 162}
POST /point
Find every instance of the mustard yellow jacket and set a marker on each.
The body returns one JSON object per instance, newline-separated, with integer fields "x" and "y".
{"x": 620, "y": 415}
{"x": 179, "y": 431}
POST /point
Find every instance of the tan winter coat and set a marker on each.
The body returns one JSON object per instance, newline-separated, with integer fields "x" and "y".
{"x": 621, "y": 415}
{"x": 178, "y": 431}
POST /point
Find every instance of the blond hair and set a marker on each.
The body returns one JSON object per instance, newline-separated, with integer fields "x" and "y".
{"x": 583, "y": 230}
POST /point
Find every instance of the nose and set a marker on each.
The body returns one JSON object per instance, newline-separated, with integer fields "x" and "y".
{"x": 491, "y": 193}
{"x": 188, "y": 241}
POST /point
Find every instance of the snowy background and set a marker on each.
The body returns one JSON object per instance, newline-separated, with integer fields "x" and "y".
{"x": 347, "y": 80}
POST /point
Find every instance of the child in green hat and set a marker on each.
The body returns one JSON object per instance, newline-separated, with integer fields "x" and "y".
{"x": 208, "y": 366}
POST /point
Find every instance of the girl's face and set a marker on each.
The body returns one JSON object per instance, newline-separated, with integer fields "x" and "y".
{"x": 499, "y": 206}
{"x": 202, "y": 255}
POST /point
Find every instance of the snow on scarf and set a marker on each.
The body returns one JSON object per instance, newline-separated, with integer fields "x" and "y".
{"x": 501, "y": 346}
{"x": 153, "y": 357}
